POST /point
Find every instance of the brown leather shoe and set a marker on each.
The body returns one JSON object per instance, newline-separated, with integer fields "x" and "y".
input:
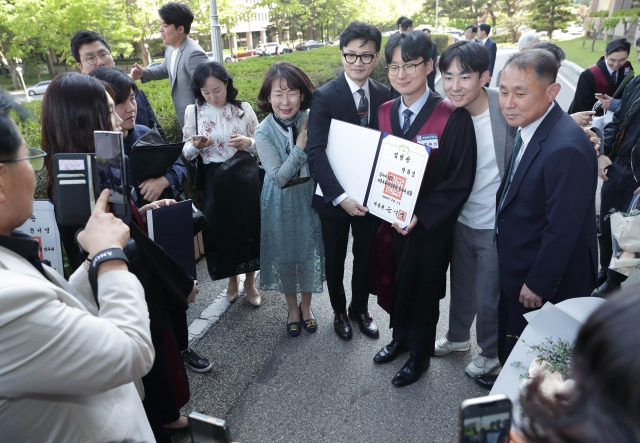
{"x": 342, "y": 325}
{"x": 367, "y": 326}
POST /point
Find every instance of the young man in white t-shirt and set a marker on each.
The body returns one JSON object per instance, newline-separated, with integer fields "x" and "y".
{"x": 475, "y": 286}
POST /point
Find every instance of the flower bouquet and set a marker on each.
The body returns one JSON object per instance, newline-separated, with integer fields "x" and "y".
{"x": 552, "y": 363}
{"x": 545, "y": 346}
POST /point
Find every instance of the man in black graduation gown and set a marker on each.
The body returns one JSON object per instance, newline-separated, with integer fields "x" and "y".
{"x": 423, "y": 248}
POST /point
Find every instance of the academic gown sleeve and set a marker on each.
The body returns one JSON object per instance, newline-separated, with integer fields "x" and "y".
{"x": 449, "y": 181}
{"x": 585, "y": 90}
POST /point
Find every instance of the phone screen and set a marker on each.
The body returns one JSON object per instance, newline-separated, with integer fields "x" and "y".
{"x": 110, "y": 162}
{"x": 486, "y": 419}
{"x": 207, "y": 429}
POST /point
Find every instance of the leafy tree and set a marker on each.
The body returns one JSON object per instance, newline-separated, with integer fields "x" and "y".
{"x": 628, "y": 17}
{"x": 609, "y": 24}
{"x": 549, "y": 15}
{"x": 514, "y": 14}
{"x": 141, "y": 23}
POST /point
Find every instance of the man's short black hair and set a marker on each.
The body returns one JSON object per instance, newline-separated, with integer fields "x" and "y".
{"x": 541, "y": 61}
{"x": 356, "y": 30}
{"x": 474, "y": 28}
{"x": 85, "y": 37}
{"x": 638, "y": 42}
{"x": 10, "y": 138}
{"x": 556, "y": 50}
{"x": 413, "y": 45}
{"x": 177, "y": 14}
{"x": 468, "y": 56}
{"x": 121, "y": 83}
{"x": 485, "y": 27}
{"x": 617, "y": 45}
{"x": 406, "y": 24}
{"x": 400, "y": 20}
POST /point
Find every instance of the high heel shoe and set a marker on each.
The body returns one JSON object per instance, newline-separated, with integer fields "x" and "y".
{"x": 232, "y": 297}
{"x": 293, "y": 328}
{"x": 310, "y": 325}
{"x": 255, "y": 301}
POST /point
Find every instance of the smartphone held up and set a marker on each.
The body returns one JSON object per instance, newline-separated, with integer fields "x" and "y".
{"x": 485, "y": 419}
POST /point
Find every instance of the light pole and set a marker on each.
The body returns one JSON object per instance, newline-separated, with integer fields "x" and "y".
{"x": 24, "y": 87}
{"x": 216, "y": 39}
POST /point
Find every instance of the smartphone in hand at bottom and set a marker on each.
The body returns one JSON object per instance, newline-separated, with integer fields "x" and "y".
{"x": 485, "y": 419}
{"x": 207, "y": 429}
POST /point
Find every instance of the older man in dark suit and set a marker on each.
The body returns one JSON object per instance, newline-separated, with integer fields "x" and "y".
{"x": 546, "y": 231}
{"x": 354, "y": 98}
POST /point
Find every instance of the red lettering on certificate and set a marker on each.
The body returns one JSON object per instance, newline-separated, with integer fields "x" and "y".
{"x": 394, "y": 186}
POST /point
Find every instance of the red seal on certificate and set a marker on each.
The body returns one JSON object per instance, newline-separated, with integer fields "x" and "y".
{"x": 394, "y": 185}
{"x": 402, "y": 216}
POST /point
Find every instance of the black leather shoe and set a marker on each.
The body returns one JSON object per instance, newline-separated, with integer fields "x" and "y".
{"x": 367, "y": 326}
{"x": 605, "y": 289}
{"x": 342, "y": 325}
{"x": 390, "y": 352}
{"x": 486, "y": 381}
{"x": 410, "y": 373}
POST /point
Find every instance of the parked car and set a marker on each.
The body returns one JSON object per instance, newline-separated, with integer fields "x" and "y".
{"x": 269, "y": 48}
{"x": 309, "y": 44}
{"x": 38, "y": 89}
{"x": 226, "y": 56}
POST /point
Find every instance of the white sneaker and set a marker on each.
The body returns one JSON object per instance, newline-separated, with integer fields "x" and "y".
{"x": 444, "y": 346}
{"x": 481, "y": 366}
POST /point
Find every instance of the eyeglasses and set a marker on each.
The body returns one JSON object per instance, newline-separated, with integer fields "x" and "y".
{"x": 35, "y": 157}
{"x": 293, "y": 95}
{"x": 408, "y": 69}
{"x": 366, "y": 59}
{"x": 93, "y": 59}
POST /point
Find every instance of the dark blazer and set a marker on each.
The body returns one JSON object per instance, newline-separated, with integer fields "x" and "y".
{"x": 546, "y": 226}
{"x": 493, "y": 50}
{"x": 334, "y": 100}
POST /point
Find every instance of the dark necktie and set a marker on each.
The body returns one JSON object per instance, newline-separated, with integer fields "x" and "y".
{"x": 516, "y": 149}
{"x": 363, "y": 108}
{"x": 407, "y": 120}
{"x": 614, "y": 78}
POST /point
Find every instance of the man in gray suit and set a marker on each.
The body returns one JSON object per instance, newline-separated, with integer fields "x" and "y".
{"x": 475, "y": 286}
{"x": 180, "y": 59}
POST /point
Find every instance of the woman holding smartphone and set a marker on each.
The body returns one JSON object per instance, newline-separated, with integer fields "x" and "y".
{"x": 74, "y": 106}
{"x": 216, "y": 127}
{"x": 291, "y": 252}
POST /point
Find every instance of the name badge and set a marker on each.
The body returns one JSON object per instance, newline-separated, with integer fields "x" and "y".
{"x": 428, "y": 140}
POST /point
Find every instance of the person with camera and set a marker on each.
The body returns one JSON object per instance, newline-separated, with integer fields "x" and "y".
{"x": 68, "y": 365}
{"x": 74, "y": 106}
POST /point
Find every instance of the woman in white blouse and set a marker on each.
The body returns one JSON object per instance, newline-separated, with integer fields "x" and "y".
{"x": 216, "y": 127}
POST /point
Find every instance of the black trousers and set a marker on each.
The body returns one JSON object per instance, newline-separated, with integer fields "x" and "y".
{"x": 335, "y": 236}
{"x": 616, "y": 193}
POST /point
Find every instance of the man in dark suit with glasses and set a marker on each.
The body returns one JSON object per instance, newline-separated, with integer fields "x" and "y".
{"x": 354, "y": 98}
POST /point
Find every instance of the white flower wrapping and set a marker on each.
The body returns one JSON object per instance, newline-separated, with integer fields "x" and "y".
{"x": 552, "y": 383}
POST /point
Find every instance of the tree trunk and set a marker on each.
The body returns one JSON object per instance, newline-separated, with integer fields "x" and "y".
{"x": 49, "y": 58}
{"x": 143, "y": 53}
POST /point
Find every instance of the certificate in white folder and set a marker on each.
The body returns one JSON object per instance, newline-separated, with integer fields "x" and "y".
{"x": 378, "y": 170}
